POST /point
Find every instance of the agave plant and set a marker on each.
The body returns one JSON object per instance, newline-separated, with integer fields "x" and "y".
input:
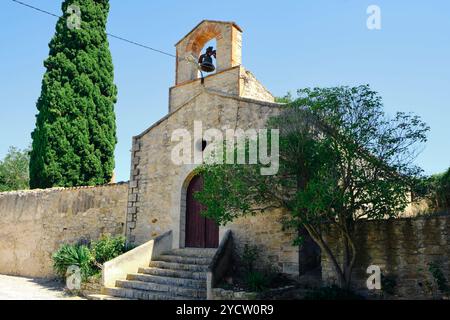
{"x": 73, "y": 255}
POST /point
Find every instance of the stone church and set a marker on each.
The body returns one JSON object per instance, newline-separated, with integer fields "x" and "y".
{"x": 232, "y": 97}
{"x": 180, "y": 254}
{"x": 161, "y": 193}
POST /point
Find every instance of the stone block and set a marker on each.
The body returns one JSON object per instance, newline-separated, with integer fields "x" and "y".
{"x": 133, "y": 184}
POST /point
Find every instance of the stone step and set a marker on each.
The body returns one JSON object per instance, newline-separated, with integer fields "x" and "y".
{"x": 162, "y": 289}
{"x": 193, "y": 252}
{"x": 184, "y": 259}
{"x": 141, "y": 294}
{"x": 103, "y": 297}
{"x": 173, "y": 273}
{"x": 181, "y": 282}
{"x": 178, "y": 266}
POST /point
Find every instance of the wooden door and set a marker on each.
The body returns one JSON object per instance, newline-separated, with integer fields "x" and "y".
{"x": 200, "y": 231}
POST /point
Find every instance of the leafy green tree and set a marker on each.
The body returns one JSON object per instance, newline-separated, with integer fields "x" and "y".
{"x": 435, "y": 189}
{"x": 285, "y": 99}
{"x": 445, "y": 189}
{"x": 341, "y": 160}
{"x": 75, "y": 134}
{"x": 14, "y": 170}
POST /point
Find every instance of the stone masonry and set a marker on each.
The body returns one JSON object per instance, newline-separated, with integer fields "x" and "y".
{"x": 403, "y": 249}
{"x": 35, "y": 223}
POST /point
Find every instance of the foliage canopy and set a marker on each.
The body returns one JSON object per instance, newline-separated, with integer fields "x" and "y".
{"x": 14, "y": 170}
{"x": 341, "y": 160}
{"x": 75, "y": 134}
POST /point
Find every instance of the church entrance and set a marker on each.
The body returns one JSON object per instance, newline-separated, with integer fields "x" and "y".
{"x": 200, "y": 231}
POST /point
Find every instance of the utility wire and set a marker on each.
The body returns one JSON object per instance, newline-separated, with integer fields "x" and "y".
{"x": 37, "y": 9}
{"x": 140, "y": 45}
{"x": 109, "y": 34}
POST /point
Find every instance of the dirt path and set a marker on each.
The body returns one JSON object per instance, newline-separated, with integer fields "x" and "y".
{"x": 16, "y": 288}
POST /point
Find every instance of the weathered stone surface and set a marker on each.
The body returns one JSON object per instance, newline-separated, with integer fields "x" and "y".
{"x": 235, "y": 81}
{"x": 33, "y": 224}
{"x": 91, "y": 287}
{"x": 402, "y": 248}
{"x": 177, "y": 274}
{"x": 229, "y": 47}
{"x": 275, "y": 244}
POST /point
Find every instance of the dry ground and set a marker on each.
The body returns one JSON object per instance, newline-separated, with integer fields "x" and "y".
{"x": 17, "y": 288}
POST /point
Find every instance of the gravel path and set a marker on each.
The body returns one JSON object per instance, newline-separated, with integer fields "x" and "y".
{"x": 16, "y": 288}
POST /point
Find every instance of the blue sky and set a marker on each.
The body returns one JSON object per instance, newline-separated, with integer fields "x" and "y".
{"x": 287, "y": 45}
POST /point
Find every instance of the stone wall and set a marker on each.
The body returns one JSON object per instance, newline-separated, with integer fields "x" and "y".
{"x": 33, "y": 224}
{"x": 403, "y": 249}
{"x": 274, "y": 243}
{"x": 251, "y": 88}
{"x": 226, "y": 81}
{"x": 235, "y": 81}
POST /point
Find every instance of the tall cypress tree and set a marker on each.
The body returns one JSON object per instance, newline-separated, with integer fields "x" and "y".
{"x": 75, "y": 134}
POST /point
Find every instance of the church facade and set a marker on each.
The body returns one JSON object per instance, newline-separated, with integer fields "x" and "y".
{"x": 161, "y": 191}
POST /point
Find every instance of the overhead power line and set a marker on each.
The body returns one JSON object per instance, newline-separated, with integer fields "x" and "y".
{"x": 37, "y": 9}
{"x": 109, "y": 34}
{"x": 141, "y": 45}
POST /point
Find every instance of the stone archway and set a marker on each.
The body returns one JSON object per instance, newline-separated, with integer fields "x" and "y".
{"x": 229, "y": 47}
{"x": 201, "y": 36}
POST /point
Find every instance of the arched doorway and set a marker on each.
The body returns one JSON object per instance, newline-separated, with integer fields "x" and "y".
{"x": 200, "y": 231}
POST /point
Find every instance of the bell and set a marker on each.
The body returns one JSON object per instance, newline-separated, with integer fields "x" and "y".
{"x": 207, "y": 64}
{"x": 206, "y": 60}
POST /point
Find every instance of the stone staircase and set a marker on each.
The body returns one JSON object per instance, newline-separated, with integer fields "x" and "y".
{"x": 176, "y": 275}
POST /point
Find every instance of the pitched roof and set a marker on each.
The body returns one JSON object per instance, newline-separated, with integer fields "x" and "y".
{"x": 234, "y": 24}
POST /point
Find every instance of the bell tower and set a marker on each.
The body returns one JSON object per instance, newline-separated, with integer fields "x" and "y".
{"x": 230, "y": 78}
{"x": 229, "y": 48}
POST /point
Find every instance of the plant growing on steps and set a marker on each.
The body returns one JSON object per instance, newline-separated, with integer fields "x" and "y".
{"x": 75, "y": 134}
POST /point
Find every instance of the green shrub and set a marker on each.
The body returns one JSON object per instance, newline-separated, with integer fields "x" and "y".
{"x": 108, "y": 248}
{"x": 250, "y": 255}
{"x": 332, "y": 293}
{"x": 257, "y": 281}
{"x": 89, "y": 258}
{"x": 445, "y": 189}
{"x": 435, "y": 189}
{"x": 439, "y": 277}
{"x": 73, "y": 255}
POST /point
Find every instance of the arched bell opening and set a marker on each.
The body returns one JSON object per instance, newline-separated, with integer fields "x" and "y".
{"x": 226, "y": 39}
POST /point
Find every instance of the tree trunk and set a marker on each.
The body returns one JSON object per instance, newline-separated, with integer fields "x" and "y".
{"x": 349, "y": 254}
{"x": 326, "y": 249}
